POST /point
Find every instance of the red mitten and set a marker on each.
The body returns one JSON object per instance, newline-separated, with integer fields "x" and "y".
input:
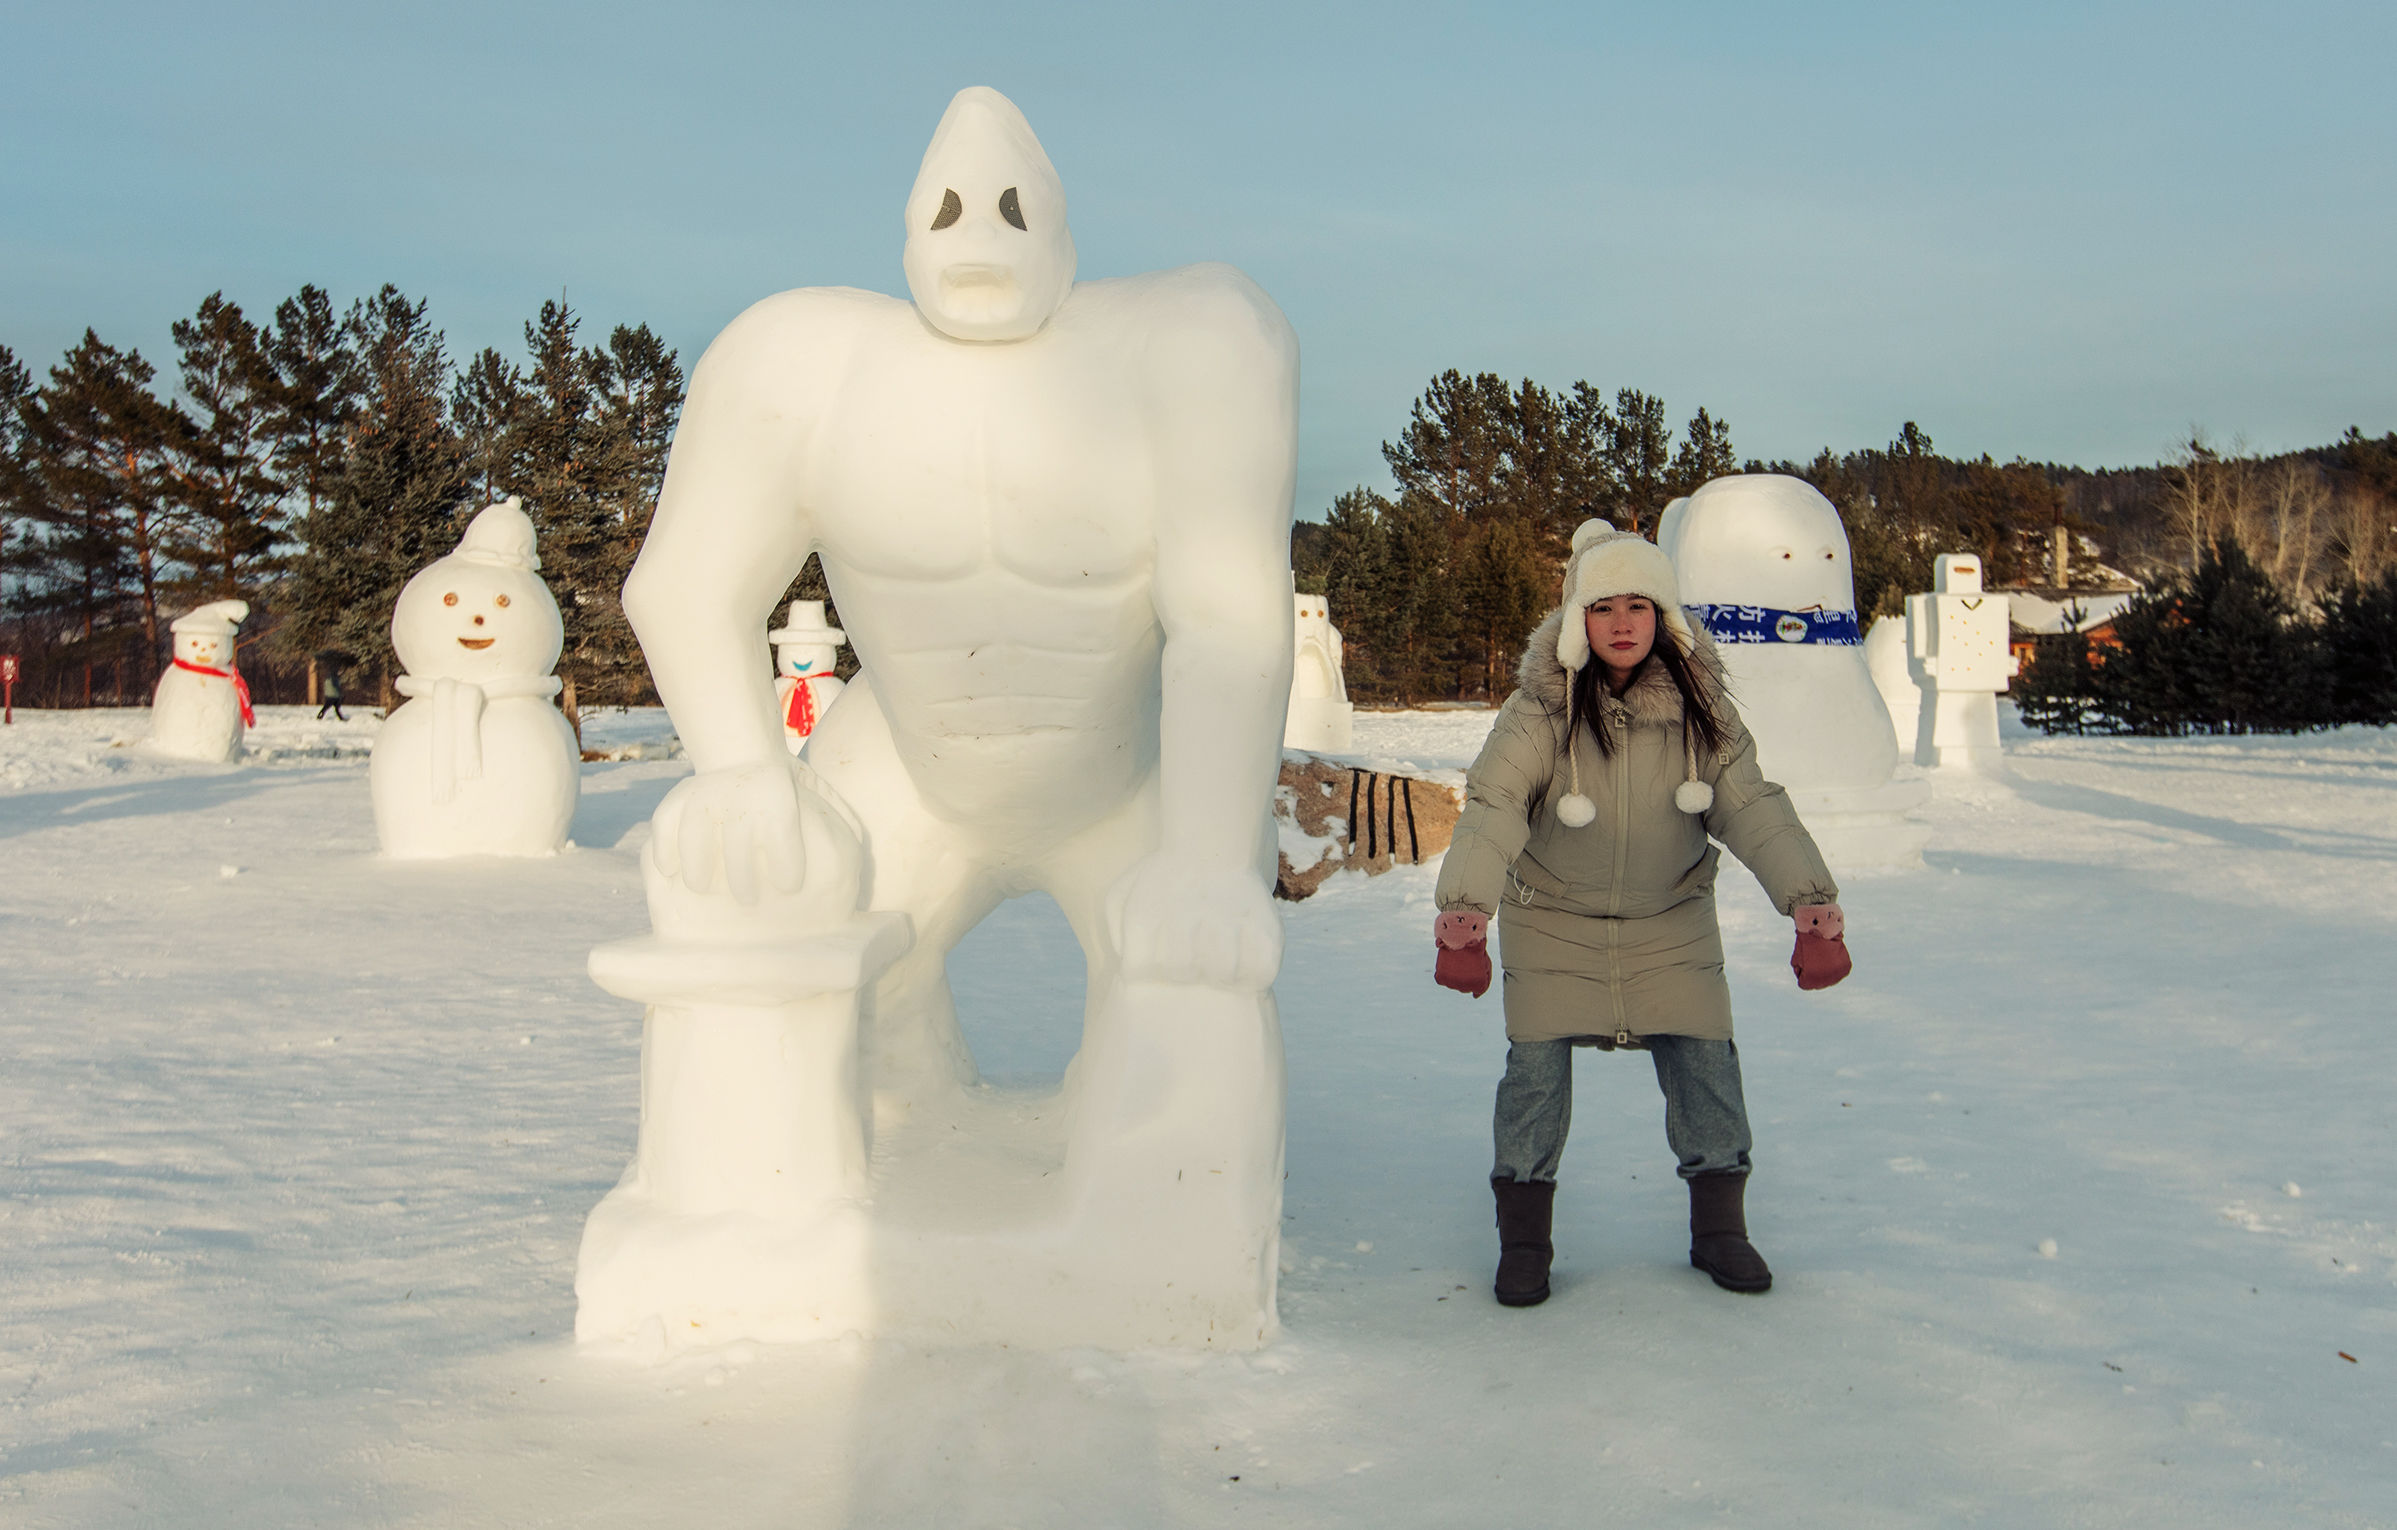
{"x": 1464, "y": 968}
{"x": 1818, "y": 962}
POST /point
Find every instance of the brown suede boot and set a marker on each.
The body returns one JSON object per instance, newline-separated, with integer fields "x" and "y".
{"x": 1524, "y": 1209}
{"x": 1719, "y": 1234}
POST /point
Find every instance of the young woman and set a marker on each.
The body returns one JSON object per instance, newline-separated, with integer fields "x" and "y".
{"x": 1586, "y": 827}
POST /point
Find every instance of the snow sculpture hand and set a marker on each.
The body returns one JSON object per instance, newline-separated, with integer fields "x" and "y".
{"x": 1822, "y": 919}
{"x": 1175, "y": 921}
{"x": 742, "y": 823}
{"x": 1461, "y": 927}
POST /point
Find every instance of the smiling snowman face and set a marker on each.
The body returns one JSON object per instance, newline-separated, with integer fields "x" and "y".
{"x": 205, "y": 649}
{"x": 812, "y": 661}
{"x": 460, "y": 619}
{"x": 1763, "y": 539}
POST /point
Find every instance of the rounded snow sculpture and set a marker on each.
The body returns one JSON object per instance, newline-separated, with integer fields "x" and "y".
{"x": 1764, "y": 566}
{"x": 1885, "y": 656}
{"x": 1056, "y": 519}
{"x": 805, "y": 651}
{"x": 1321, "y": 718}
{"x": 477, "y": 761}
{"x": 1957, "y": 639}
{"x": 202, "y": 705}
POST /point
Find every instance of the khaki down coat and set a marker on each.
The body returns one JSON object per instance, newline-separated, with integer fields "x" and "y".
{"x": 1608, "y": 930}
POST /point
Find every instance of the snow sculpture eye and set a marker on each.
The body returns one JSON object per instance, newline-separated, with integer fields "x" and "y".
{"x": 951, "y": 209}
{"x": 1011, "y": 209}
{"x": 500, "y": 601}
{"x": 450, "y": 599}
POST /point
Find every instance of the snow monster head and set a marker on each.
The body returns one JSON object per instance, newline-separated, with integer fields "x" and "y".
{"x": 989, "y": 256}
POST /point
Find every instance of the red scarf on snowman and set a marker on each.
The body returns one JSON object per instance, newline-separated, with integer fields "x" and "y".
{"x": 799, "y": 708}
{"x": 241, "y": 687}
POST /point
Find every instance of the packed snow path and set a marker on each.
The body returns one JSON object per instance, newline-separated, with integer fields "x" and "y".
{"x": 2076, "y": 1192}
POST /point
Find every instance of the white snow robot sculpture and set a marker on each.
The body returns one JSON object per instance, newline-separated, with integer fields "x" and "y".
{"x": 1320, "y": 717}
{"x": 1056, "y": 520}
{"x": 1957, "y": 639}
{"x": 1765, "y": 569}
{"x": 202, "y": 705}
{"x": 806, "y": 649}
{"x": 477, "y": 761}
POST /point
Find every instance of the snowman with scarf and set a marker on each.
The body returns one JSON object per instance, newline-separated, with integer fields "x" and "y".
{"x": 1764, "y": 566}
{"x": 202, "y": 706}
{"x": 805, "y": 651}
{"x": 478, "y": 761}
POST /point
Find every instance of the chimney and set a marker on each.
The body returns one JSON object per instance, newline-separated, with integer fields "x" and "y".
{"x": 2060, "y": 560}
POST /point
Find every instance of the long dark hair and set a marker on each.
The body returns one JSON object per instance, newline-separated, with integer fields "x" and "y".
{"x": 1697, "y": 707}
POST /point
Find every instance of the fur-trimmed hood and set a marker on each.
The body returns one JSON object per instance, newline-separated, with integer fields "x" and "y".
{"x": 1652, "y": 698}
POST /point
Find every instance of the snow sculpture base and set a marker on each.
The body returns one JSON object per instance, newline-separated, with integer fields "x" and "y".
{"x": 750, "y": 1211}
{"x": 741, "y": 1216}
{"x": 1867, "y": 829}
{"x": 1139, "y": 1207}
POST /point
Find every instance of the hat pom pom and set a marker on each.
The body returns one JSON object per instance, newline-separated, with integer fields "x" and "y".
{"x": 1575, "y": 810}
{"x": 1693, "y": 796}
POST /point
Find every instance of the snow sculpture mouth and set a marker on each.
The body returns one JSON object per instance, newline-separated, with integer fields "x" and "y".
{"x": 477, "y": 644}
{"x": 961, "y": 278}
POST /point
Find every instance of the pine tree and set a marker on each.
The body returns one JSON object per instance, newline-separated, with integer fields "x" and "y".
{"x": 2214, "y": 651}
{"x": 552, "y": 450}
{"x": 224, "y": 485}
{"x": 640, "y": 385}
{"x": 1506, "y": 587}
{"x": 1638, "y": 455}
{"x": 19, "y": 496}
{"x": 97, "y": 441}
{"x": 485, "y": 407}
{"x": 2358, "y": 644}
{"x": 2057, "y": 690}
{"x": 1350, "y": 569}
{"x": 315, "y": 394}
{"x": 1705, "y": 455}
{"x": 392, "y": 506}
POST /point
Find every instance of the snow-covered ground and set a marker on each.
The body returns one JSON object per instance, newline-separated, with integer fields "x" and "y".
{"x": 2076, "y": 1192}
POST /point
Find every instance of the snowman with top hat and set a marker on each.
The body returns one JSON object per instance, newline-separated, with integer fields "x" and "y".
{"x": 477, "y": 761}
{"x": 806, "y": 649}
{"x": 202, "y": 705}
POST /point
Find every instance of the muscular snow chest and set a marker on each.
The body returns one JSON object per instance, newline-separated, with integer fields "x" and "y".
{"x": 945, "y": 471}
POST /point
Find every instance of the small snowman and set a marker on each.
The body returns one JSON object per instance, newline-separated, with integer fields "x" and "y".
{"x": 805, "y": 651}
{"x": 478, "y": 761}
{"x": 203, "y": 705}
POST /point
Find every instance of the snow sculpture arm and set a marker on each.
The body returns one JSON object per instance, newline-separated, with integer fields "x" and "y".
{"x": 1225, "y": 401}
{"x": 729, "y": 535}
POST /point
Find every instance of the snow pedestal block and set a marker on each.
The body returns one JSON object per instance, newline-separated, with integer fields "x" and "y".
{"x": 742, "y": 1215}
{"x": 1148, "y": 1214}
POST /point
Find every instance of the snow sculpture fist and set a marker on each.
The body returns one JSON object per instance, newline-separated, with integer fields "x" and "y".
{"x": 477, "y": 762}
{"x": 1180, "y": 922}
{"x": 202, "y": 703}
{"x": 775, "y": 838}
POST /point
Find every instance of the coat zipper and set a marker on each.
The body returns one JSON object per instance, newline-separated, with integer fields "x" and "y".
{"x": 1614, "y": 901}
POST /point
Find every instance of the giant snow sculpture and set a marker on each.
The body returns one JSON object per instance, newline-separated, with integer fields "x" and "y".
{"x": 1321, "y": 718}
{"x": 202, "y": 704}
{"x": 477, "y": 761}
{"x": 1056, "y": 520}
{"x": 1957, "y": 639}
{"x": 1764, "y": 567}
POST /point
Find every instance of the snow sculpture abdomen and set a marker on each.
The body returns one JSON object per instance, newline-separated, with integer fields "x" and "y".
{"x": 202, "y": 706}
{"x": 1764, "y": 565}
{"x": 1055, "y": 518}
{"x": 477, "y": 760}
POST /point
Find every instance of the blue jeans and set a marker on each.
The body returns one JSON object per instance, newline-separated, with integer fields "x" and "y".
{"x": 1706, "y": 1119}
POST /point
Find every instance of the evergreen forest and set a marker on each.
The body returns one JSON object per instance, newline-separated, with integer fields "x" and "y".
{"x": 311, "y": 460}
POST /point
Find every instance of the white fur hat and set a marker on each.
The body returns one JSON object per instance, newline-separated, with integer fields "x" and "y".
{"x": 1608, "y": 562}
{"x": 218, "y": 618}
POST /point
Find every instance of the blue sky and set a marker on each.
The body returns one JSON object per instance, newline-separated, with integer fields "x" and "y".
{"x": 2066, "y": 232}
